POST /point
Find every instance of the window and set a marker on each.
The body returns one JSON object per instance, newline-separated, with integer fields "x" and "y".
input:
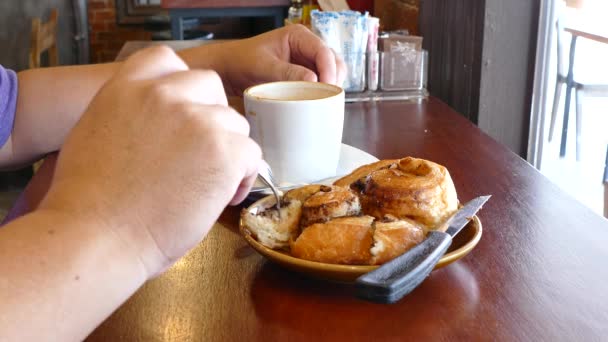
{"x": 134, "y": 11}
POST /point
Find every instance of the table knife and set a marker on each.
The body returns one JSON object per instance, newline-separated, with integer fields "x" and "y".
{"x": 398, "y": 277}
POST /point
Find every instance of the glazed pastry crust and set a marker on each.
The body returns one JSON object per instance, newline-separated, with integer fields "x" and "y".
{"x": 393, "y": 238}
{"x": 328, "y": 203}
{"x": 364, "y": 171}
{"x": 345, "y": 240}
{"x": 302, "y": 193}
{"x": 412, "y": 188}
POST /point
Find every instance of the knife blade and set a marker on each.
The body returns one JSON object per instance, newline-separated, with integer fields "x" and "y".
{"x": 398, "y": 277}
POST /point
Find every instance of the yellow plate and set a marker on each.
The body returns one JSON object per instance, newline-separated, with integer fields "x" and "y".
{"x": 462, "y": 245}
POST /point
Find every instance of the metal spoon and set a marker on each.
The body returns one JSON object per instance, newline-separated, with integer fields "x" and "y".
{"x": 265, "y": 175}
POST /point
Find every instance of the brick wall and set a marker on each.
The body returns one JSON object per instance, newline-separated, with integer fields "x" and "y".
{"x": 398, "y": 14}
{"x": 106, "y": 37}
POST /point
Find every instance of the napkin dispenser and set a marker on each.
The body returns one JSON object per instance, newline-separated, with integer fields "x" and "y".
{"x": 403, "y": 62}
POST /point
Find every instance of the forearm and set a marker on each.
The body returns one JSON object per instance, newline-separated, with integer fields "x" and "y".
{"x": 60, "y": 277}
{"x": 50, "y": 101}
{"x": 216, "y": 57}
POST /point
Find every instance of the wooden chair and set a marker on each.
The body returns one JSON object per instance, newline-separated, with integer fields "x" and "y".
{"x": 44, "y": 38}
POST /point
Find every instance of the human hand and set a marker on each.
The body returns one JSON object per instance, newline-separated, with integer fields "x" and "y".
{"x": 291, "y": 53}
{"x": 156, "y": 157}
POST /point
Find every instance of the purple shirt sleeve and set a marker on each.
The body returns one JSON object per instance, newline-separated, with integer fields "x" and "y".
{"x": 8, "y": 103}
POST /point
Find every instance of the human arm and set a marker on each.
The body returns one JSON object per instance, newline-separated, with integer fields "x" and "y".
{"x": 51, "y": 100}
{"x": 61, "y": 275}
{"x": 49, "y": 103}
{"x": 130, "y": 195}
{"x": 292, "y": 53}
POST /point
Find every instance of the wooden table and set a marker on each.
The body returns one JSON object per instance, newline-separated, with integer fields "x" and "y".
{"x": 181, "y": 9}
{"x": 578, "y": 28}
{"x": 538, "y": 273}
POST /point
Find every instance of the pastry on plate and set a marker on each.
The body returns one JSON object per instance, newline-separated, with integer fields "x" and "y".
{"x": 376, "y": 213}
{"x": 302, "y": 193}
{"x": 393, "y": 237}
{"x": 265, "y": 225}
{"x": 410, "y": 188}
{"x": 271, "y": 232}
{"x": 328, "y": 203}
{"x": 344, "y": 240}
{"x": 363, "y": 171}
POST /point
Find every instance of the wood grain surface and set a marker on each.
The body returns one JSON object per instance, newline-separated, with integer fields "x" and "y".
{"x": 538, "y": 273}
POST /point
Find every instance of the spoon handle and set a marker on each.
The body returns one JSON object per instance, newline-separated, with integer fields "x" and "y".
{"x": 264, "y": 175}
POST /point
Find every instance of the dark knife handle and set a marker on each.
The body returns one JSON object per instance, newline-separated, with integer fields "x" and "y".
{"x": 398, "y": 277}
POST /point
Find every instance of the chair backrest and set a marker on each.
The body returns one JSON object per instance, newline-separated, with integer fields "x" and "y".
{"x": 44, "y": 38}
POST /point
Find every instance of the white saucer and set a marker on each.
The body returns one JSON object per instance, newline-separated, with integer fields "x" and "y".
{"x": 350, "y": 159}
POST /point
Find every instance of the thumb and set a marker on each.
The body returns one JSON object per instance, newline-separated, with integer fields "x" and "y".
{"x": 284, "y": 71}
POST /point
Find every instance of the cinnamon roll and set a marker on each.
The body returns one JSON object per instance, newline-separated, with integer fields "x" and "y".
{"x": 363, "y": 171}
{"x": 328, "y": 203}
{"x": 411, "y": 188}
{"x": 302, "y": 193}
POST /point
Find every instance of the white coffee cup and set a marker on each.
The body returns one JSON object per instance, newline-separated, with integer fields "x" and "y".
{"x": 298, "y": 125}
